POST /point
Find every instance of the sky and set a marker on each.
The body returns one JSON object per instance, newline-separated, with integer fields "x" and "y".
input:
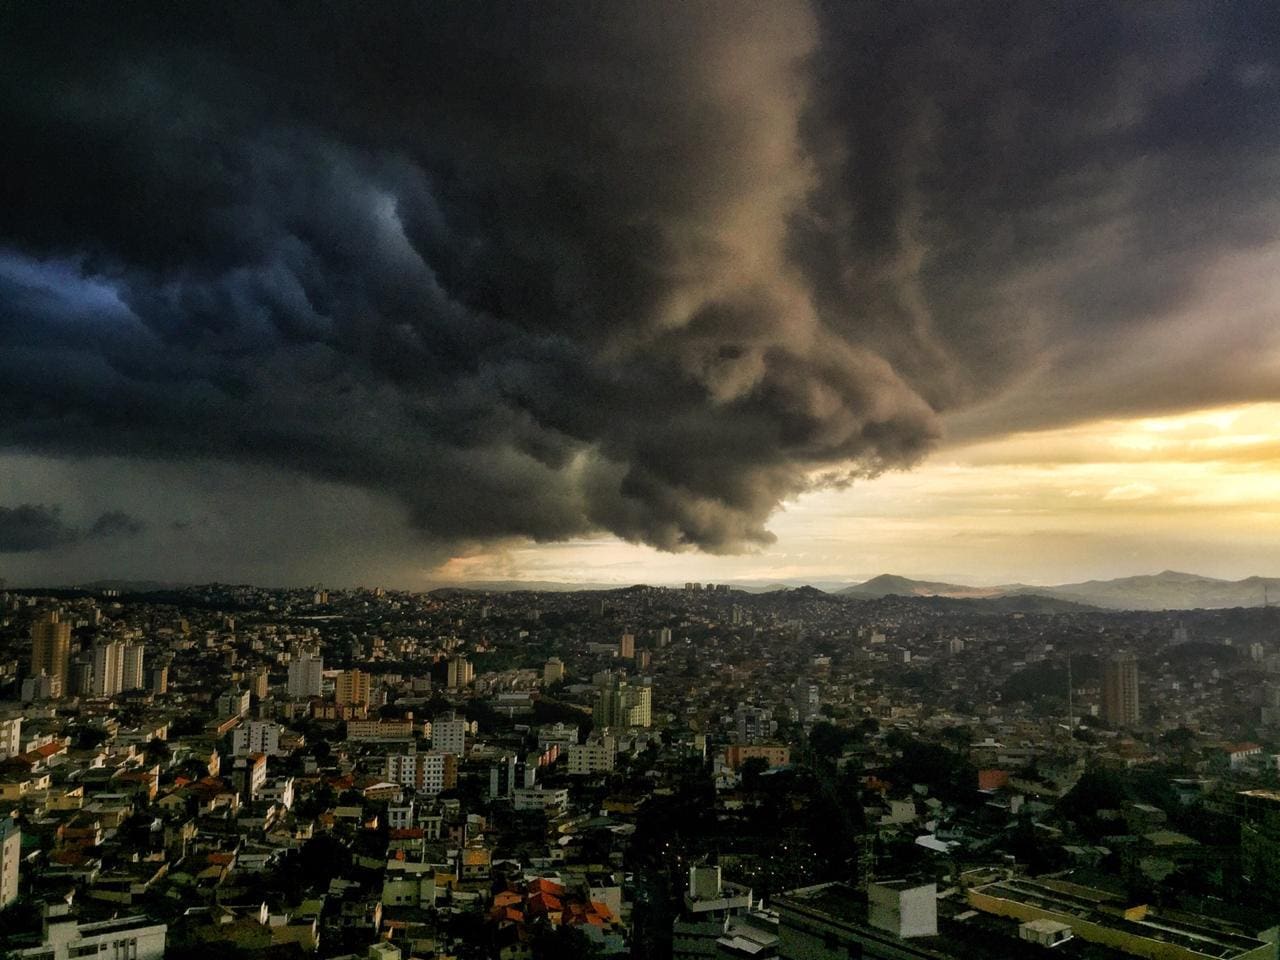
{"x": 411, "y": 293}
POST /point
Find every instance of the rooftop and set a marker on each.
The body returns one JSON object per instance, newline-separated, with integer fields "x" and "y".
{"x": 1107, "y": 910}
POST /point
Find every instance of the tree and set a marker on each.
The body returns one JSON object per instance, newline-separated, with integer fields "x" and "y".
{"x": 87, "y": 738}
{"x": 158, "y": 751}
{"x": 752, "y": 770}
{"x": 1180, "y": 739}
{"x": 959, "y": 737}
{"x": 827, "y": 741}
{"x": 561, "y": 943}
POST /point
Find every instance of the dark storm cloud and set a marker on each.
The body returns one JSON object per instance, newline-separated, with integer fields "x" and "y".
{"x": 115, "y": 523}
{"x": 543, "y": 270}
{"x": 1026, "y": 202}
{"x": 31, "y": 527}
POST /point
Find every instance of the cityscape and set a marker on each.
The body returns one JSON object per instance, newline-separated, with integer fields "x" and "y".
{"x": 640, "y": 480}
{"x": 685, "y": 771}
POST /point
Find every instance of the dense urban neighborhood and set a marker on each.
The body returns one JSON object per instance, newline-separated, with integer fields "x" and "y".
{"x": 651, "y": 772}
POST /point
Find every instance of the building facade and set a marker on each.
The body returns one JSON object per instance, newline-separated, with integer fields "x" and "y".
{"x": 1120, "y": 691}
{"x": 51, "y": 648}
{"x": 306, "y": 677}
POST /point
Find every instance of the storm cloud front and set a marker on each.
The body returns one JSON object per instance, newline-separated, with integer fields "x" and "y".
{"x": 548, "y": 271}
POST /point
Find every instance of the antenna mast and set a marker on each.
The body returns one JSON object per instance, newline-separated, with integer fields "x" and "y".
{"x": 1071, "y": 711}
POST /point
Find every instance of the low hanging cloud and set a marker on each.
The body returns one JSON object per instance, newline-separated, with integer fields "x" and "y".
{"x": 30, "y": 528}
{"x": 536, "y": 271}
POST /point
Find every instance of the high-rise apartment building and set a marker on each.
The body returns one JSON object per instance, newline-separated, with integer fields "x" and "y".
{"x": 449, "y": 735}
{"x": 352, "y": 686}
{"x": 10, "y": 855}
{"x": 623, "y": 704}
{"x": 425, "y": 772}
{"x": 553, "y": 671}
{"x": 260, "y": 683}
{"x": 753, "y": 724}
{"x": 132, "y": 675}
{"x": 256, "y": 736}
{"x": 249, "y": 774}
{"x": 461, "y": 672}
{"x": 160, "y": 680}
{"x": 51, "y": 648}
{"x": 108, "y": 669}
{"x": 664, "y": 637}
{"x": 1120, "y": 691}
{"x": 807, "y": 700}
{"x": 80, "y": 676}
{"x": 627, "y": 646}
{"x": 234, "y": 702}
{"x": 306, "y": 677}
{"x": 597, "y": 755}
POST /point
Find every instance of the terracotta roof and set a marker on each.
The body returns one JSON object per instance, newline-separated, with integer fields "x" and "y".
{"x": 542, "y": 885}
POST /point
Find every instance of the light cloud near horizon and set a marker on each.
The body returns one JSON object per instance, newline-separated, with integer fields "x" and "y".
{"x": 1198, "y": 491}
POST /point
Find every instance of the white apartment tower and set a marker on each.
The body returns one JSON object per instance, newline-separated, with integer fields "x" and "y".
{"x": 256, "y": 736}
{"x": 108, "y": 669}
{"x": 306, "y": 677}
{"x": 424, "y": 772}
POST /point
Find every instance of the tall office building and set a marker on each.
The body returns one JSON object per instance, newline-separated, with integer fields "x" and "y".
{"x": 306, "y": 677}
{"x": 132, "y": 676}
{"x": 108, "y": 669}
{"x": 51, "y": 648}
{"x": 1120, "y": 691}
{"x": 352, "y": 686}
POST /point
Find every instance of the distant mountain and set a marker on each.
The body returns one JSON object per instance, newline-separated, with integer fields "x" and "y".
{"x": 133, "y": 586}
{"x": 515, "y": 586}
{"x": 1169, "y": 590}
{"x": 887, "y": 585}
